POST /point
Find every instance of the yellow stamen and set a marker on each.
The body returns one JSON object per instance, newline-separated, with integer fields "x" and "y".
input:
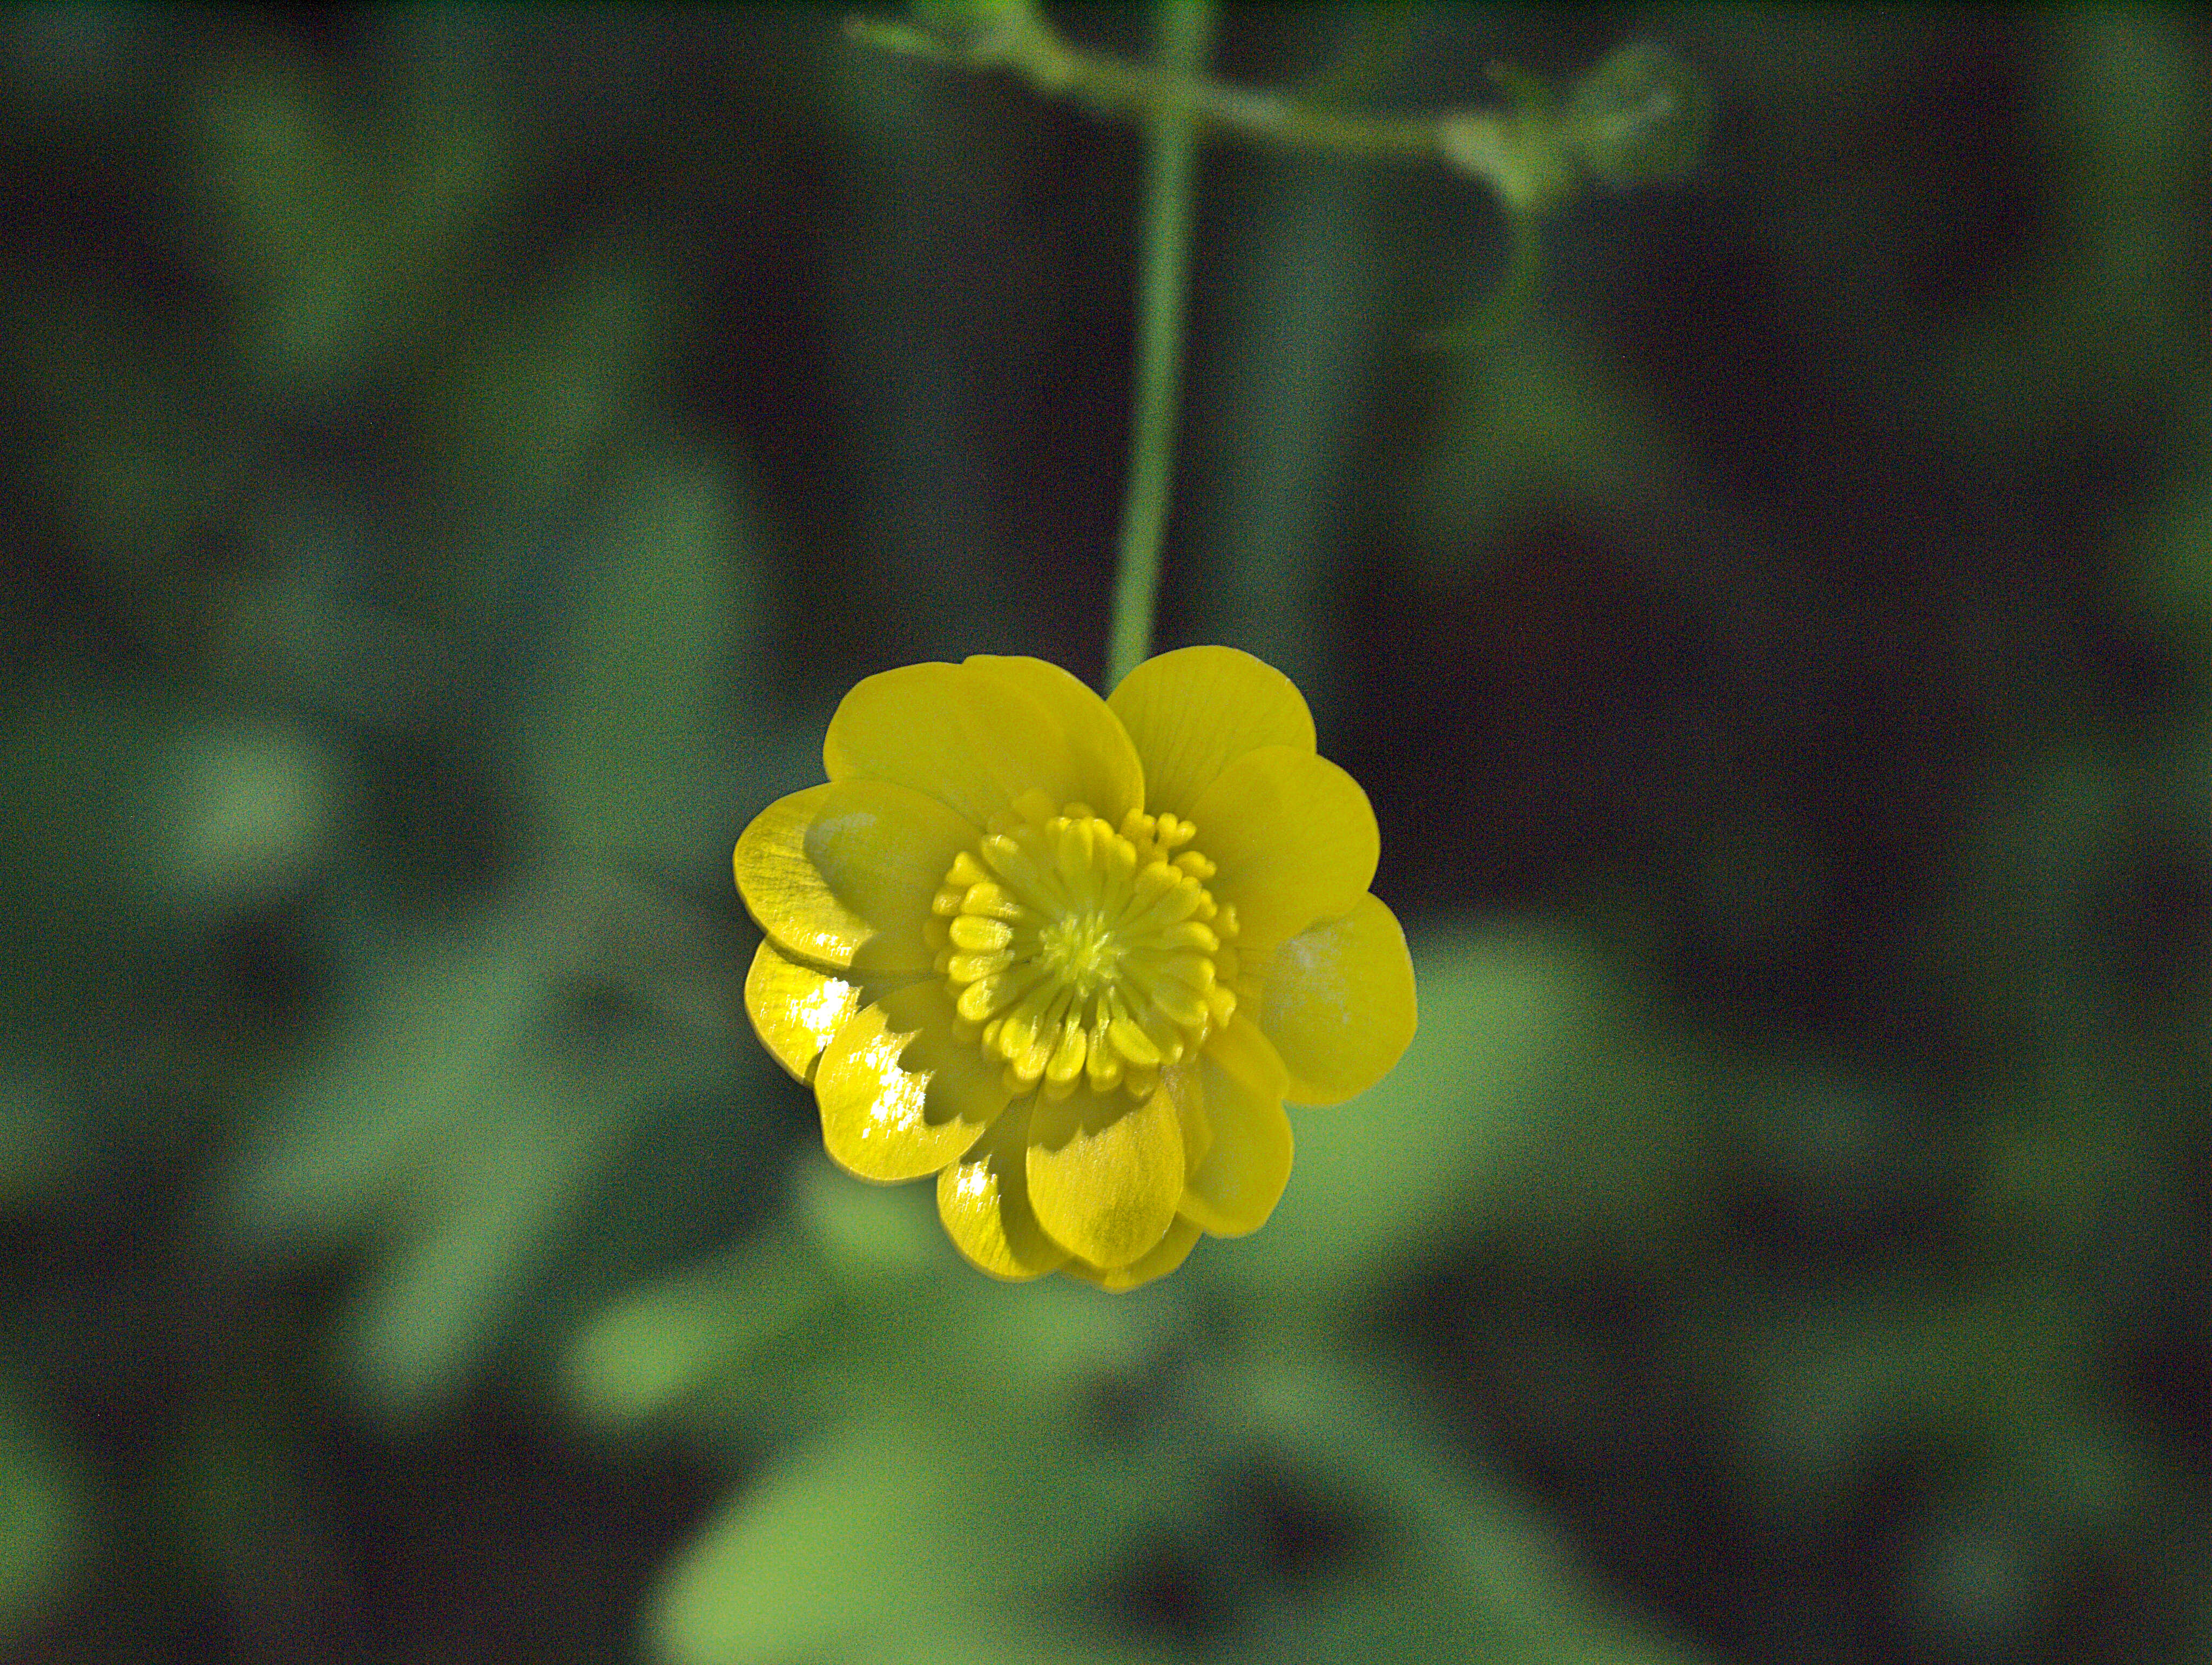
{"x": 1079, "y": 953}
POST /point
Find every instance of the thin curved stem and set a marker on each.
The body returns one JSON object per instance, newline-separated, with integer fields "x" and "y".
{"x": 1186, "y": 34}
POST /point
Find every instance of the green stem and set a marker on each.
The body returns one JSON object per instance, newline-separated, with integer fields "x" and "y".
{"x": 1186, "y": 32}
{"x": 1520, "y": 152}
{"x": 1023, "y": 42}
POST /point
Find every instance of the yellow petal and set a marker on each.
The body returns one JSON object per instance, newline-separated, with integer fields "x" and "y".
{"x": 984, "y": 1200}
{"x": 883, "y": 850}
{"x": 842, "y": 875}
{"x": 1105, "y": 1173}
{"x": 1293, "y": 839}
{"x": 1195, "y": 712}
{"x": 900, "y": 1096}
{"x": 783, "y": 891}
{"x": 1111, "y": 780}
{"x": 973, "y": 741}
{"x": 1169, "y": 1252}
{"x": 1337, "y": 1000}
{"x": 796, "y": 1010}
{"x": 1181, "y": 1081}
{"x": 1237, "y": 1185}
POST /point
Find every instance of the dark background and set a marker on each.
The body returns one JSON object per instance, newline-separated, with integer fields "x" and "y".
{"x": 455, "y": 461}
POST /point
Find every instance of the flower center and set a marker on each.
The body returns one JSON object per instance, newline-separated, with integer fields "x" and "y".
{"x": 1077, "y": 952}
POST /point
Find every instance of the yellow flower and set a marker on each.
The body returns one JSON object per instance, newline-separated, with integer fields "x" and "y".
{"x": 1071, "y": 955}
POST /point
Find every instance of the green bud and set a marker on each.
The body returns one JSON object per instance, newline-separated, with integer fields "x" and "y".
{"x": 1518, "y": 151}
{"x": 1639, "y": 117}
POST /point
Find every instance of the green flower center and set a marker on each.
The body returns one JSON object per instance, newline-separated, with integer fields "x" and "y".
{"x": 1081, "y": 952}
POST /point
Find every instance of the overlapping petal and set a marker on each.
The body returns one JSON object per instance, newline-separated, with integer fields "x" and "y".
{"x": 842, "y": 875}
{"x": 1108, "y": 776}
{"x": 883, "y": 850}
{"x": 1234, "y": 1190}
{"x": 1181, "y": 1081}
{"x": 900, "y": 1097}
{"x": 1195, "y": 712}
{"x": 786, "y": 893}
{"x": 1169, "y": 1252}
{"x": 983, "y": 1199}
{"x": 1106, "y": 1173}
{"x": 796, "y": 1010}
{"x": 867, "y": 949}
{"x": 1337, "y": 1003}
{"x": 1294, "y": 839}
{"x": 973, "y": 742}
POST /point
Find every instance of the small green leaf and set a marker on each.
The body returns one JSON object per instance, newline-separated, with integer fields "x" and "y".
{"x": 430, "y": 1314}
{"x": 662, "y": 1345}
{"x": 429, "y": 1047}
{"x": 897, "y": 1526}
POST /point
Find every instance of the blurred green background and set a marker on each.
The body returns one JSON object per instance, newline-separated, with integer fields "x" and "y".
{"x": 457, "y": 459}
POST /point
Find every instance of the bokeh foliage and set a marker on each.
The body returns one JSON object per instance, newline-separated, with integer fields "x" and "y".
{"x": 461, "y": 455}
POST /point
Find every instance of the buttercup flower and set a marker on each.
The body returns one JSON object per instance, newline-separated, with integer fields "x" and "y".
{"x": 1071, "y": 955}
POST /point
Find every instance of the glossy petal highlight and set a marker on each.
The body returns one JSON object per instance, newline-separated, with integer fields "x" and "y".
{"x": 1195, "y": 712}
{"x": 898, "y": 1099}
{"x": 796, "y": 1010}
{"x": 983, "y": 1201}
{"x": 786, "y": 893}
{"x": 1294, "y": 839}
{"x": 1337, "y": 1003}
{"x": 1237, "y": 1185}
{"x": 1106, "y": 1173}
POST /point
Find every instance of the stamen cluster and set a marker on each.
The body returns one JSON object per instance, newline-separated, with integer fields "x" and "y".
{"x": 1077, "y": 952}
